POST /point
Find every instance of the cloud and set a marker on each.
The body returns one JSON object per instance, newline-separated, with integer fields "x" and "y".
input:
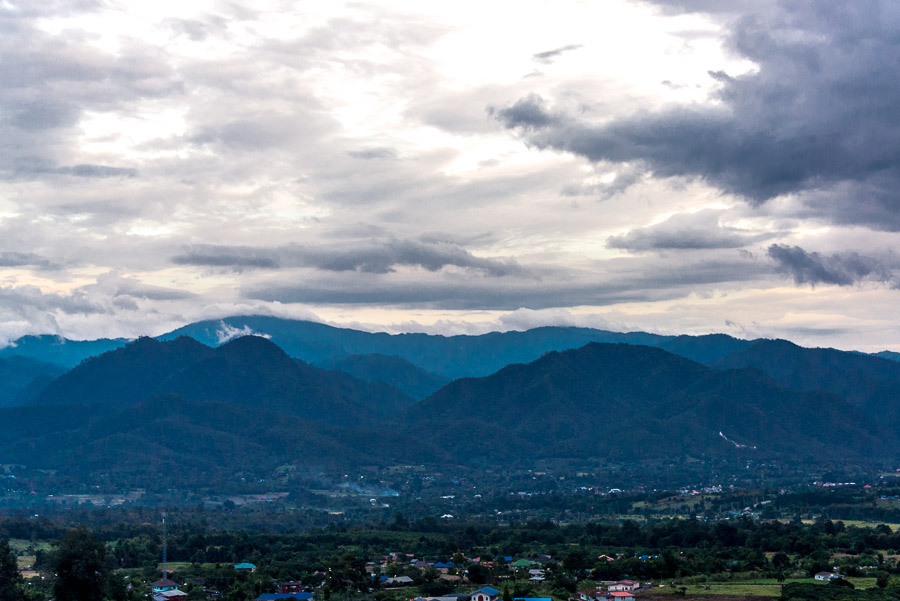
{"x": 365, "y": 257}
{"x": 562, "y": 288}
{"x": 227, "y": 332}
{"x": 374, "y": 153}
{"x": 549, "y": 55}
{"x": 841, "y": 269}
{"x": 20, "y": 259}
{"x": 819, "y": 111}
{"x": 699, "y": 231}
{"x": 529, "y": 113}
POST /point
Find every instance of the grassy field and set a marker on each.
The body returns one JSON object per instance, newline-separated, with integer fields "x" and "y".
{"x": 18, "y": 545}
{"x": 761, "y": 587}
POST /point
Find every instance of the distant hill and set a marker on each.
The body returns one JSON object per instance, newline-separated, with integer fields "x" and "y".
{"x": 22, "y": 377}
{"x": 625, "y": 401}
{"x": 871, "y": 383}
{"x": 889, "y": 355}
{"x": 375, "y": 367}
{"x": 245, "y": 371}
{"x": 59, "y": 350}
{"x": 448, "y": 356}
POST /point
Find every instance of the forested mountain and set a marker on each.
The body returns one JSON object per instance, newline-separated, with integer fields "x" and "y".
{"x": 22, "y": 377}
{"x": 448, "y": 356}
{"x": 246, "y": 407}
{"x": 245, "y": 371}
{"x": 59, "y": 350}
{"x": 621, "y": 401}
{"x": 889, "y": 355}
{"x": 871, "y": 383}
{"x": 169, "y": 441}
{"x": 388, "y": 369}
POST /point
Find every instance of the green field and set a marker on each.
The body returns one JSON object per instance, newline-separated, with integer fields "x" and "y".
{"x": 19, "y": 545}
{"x": 761, "y": 587}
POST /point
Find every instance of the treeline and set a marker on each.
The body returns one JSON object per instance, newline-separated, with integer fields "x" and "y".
{"x": 682, "y": 546}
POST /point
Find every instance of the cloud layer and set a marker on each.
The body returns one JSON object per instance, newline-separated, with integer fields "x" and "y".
{"x": 654, "y": 165}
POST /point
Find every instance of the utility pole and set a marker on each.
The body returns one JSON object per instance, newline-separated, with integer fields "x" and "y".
{"x": 165, "y": 571}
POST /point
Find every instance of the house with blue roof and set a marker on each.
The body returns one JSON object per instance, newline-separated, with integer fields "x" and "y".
{"x": 485, "y": 593}
{"x": 245, "y": 566}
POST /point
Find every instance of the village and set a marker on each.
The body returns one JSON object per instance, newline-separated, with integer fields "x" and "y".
{"x": 533, "y": 573}
{"x": 396, "y": 575}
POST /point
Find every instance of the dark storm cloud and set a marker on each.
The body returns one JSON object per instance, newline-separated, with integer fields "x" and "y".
{"x": 820, "y": 112}
{"x": 364, "y": 257}
{"x": 548, "y": 55}
{"x": 843, "y": 269}
{"x": 686, "y": 232}
{"x": 529, "y": 113}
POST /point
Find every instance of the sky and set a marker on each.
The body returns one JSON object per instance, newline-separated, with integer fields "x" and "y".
{"x": 672, "y": 166}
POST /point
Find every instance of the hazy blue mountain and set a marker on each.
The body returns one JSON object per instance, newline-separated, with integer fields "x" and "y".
{"x": 626, "y": 401}
{"x": 388, "y": 369}
{"x": 869, "y": 382}
{"x": 59, "y": 350}
{"x": 245, "y": 371}
{"x": 893, "y": 356}
{"x": 21, "y": 377}
{"x": 448, "y": 356}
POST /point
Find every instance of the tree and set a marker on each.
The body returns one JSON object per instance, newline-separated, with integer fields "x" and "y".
{"x": 780, "y": 561}
{"x": 10, "y": 578}
{"x": 81, "y": 567}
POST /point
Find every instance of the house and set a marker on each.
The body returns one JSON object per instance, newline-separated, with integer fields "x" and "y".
{"x": 522, "y": 563}
{"x": 442, "y": 567}
{"x": 621, "y": 596}
{"x": 827, "y": 576}
{"x": 288, "y": 596}
{"x": 398, "y": 581}
{"x": 164, "y": 585}
{"x": 290, "y": 587}
{"x": 170, "y": 595}
{"x": 621, "y": 586}
{"x": 532, "y": 599}
{"x": 597, "y": 594}
{"x": 245, "y": 566}
{"x": 485, "y": 593}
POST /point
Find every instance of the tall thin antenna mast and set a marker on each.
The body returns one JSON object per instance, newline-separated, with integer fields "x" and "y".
{"x": 165, "y": 571}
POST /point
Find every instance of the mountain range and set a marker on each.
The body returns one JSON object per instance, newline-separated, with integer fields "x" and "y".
{"x": 305, "y": 394}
